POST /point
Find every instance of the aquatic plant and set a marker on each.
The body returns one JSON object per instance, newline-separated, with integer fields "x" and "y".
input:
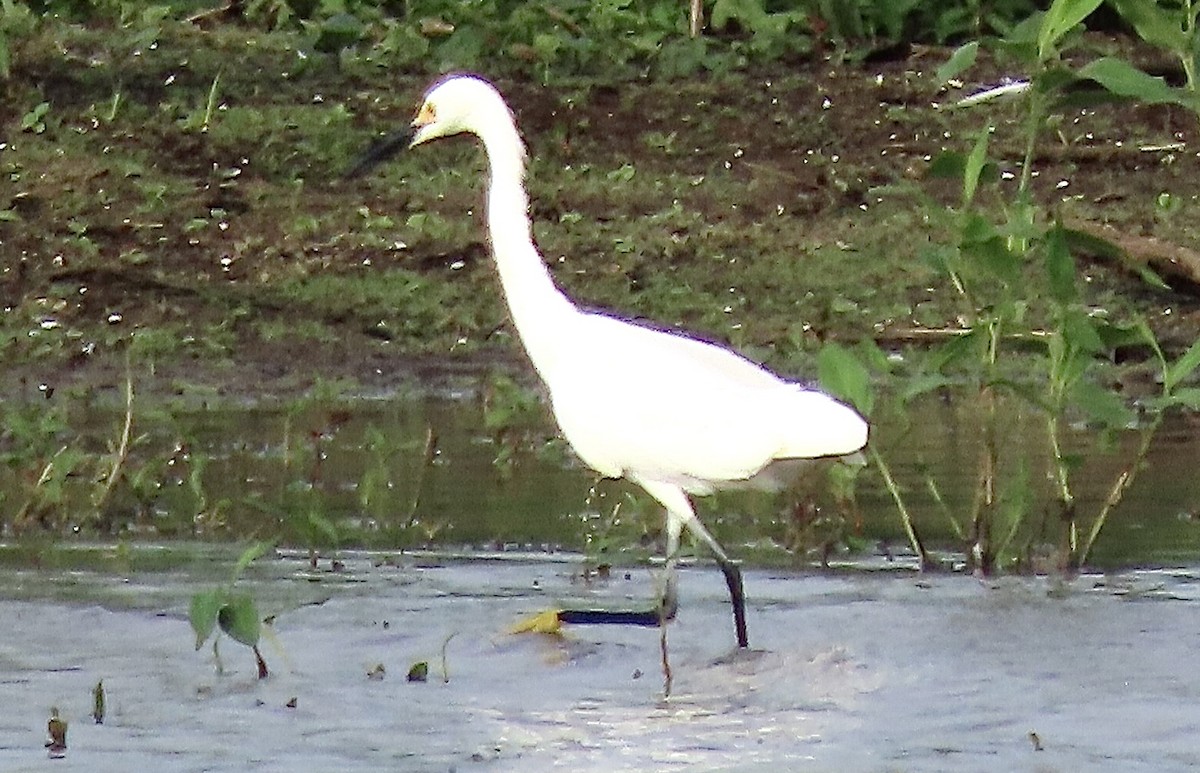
{"x": 1016, "y": 280}
{"x": 235, "y": 613}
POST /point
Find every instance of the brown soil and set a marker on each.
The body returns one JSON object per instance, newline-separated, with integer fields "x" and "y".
{"x": 89, "y": 239}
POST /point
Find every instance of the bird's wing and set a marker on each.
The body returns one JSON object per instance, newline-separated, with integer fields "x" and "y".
{"x": 634, "y": 399}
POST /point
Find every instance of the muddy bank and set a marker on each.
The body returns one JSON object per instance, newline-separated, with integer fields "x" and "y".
{"x": 773, "y": 210}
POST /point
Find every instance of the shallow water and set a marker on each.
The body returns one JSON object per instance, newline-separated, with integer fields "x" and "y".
{"x": 869, "y": 670}
{"x": 362, "y": 465}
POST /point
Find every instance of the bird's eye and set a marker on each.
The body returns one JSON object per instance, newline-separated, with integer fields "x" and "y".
{"x": 426, "y": 115}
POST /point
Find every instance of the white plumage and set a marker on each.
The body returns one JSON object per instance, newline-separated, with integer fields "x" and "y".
{"x": 673, "y": 414}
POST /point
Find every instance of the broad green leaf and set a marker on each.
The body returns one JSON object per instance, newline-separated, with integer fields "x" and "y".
{"x": 846, "y": 19}
{"x": 1101, "y": 405}
{"x": 1115, "y": 334}
{"x": 1156, "y": 25}
{"x": 983, "y": 243}
{"x": 1080, "y": 333}
{"x": 203, "y": 612}
{"x": 961, "y": 60}
{"x": 745, "y": 12}
{"x": 947, "y": 164}
{"x": 1060, "y": 268}
{"x": 1091, "y": 244}
{"x": 876, "y": 359}
{"x": 1123, "y": 79}
{"x": 1183, "y": 367}
{"x": 843, "y": 375}
{"x": 239, "y": 618}
{"x": 1061, "y": 18}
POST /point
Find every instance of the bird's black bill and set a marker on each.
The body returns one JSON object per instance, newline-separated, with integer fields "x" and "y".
{"x": 380, "y": 152}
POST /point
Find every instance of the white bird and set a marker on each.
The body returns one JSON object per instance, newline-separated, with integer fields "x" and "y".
{"x": 673, "y": 414}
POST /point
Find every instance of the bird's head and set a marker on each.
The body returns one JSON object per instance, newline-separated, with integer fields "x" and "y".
{"x": 455, "y": 104}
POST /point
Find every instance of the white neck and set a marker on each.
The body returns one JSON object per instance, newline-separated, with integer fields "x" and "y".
{"x": 539, "y": 309}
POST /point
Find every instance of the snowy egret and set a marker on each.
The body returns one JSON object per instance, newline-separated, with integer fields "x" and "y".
{"x": 676, "y": 415}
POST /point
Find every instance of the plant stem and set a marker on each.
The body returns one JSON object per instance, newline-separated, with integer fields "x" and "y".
{"x": 122, "y": 452}
{"x": 1033, "y": 128}
{"x": 1117, "y": 492}
{"x": 905, "y": 517}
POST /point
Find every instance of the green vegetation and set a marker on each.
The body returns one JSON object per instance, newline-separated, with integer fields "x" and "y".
{"x": 174, "y": 213}
{"x": 1018, "y": 284}
{"x": 233, "y": 612}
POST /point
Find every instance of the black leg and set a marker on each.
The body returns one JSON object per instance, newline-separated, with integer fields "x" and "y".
{"x": 737, "y": 595}
{"x": 668, "y": 605}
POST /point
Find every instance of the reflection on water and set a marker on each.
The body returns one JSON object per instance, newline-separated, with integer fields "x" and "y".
{"x": 427, "y": 470}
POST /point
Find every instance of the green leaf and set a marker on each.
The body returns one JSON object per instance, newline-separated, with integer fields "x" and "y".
{"x": 974, "y": 165}
{"x": 1117, "y": 334}
{"x": 947, "y": 165}
{"x": 843, "y": 375}
{"x": 203, "y": 612}
{"x": 1091, "y": 244}
{"x": 1101, "y": 405}
{"x": 969, "y": 348}
{"x": 419, "y": 672}
{"x": 1061, "y": 18}
{"x": 1183, "y": 367}
{"x": 1123, "y": 79}
{"x": 875, "y": 358}
{"x": 239, "y": 618}
{"x": 1079, "y": 332}
{"x": 1060, "y": 267}
{"x": 962, "y": 59}
{"x": 1188, "y": 398}
{"x": 248, "y": 556}
{"x": 745, "y": 12}
{"x": 320, "y": 525}
{"x": 1154, "y": 24}
{"x": 982, "y": 242}
{"x": 923, "y": 384}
